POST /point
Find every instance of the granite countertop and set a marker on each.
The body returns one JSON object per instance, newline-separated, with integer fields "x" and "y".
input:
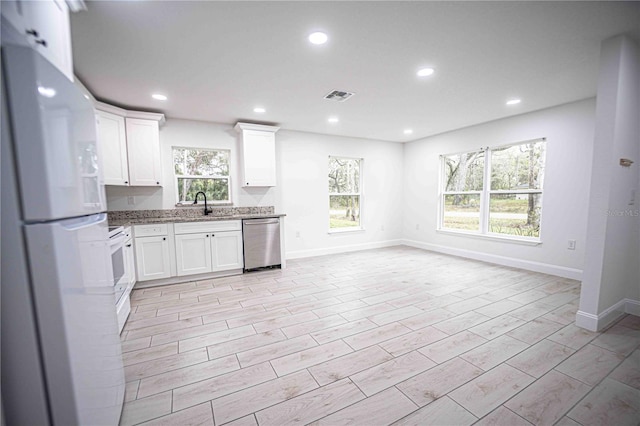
{"x": 176, "y": 219}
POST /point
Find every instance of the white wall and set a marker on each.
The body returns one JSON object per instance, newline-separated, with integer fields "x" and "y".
{"x": 303, "y": 159}
{"x": 569, "y": 132}
{"x": 302, "y": 190}
{"x": 194, "y": 134}
{"x": 612, "y": 279}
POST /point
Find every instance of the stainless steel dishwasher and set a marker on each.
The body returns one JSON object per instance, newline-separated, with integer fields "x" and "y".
{"x": 261, "y": 239}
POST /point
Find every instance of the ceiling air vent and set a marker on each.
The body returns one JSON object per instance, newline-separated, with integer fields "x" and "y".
{"x": 338, "y": 95}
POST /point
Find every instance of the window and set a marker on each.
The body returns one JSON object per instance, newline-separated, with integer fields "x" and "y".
{"x": 201, "y": 170}
{"x": 345, "y": 194}
{"x": 494, "y": 191}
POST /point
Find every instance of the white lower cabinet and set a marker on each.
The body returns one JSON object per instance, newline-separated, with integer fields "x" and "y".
{"x": 226, "y": 251}
{"x": 193, "y": 254}
{"x": 153, "y": 256}
{"x": 203, "y": 247}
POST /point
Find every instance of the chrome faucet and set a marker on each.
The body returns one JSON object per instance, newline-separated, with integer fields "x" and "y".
{"x": 195, "y": 201}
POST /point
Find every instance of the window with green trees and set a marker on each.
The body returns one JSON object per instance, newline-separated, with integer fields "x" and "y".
{"x": 494, "y": 191}
{"x": 198, "y": 169}
{"x": 344, "y": 193}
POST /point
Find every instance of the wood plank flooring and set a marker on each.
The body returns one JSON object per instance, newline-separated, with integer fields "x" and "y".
{"x": 387, "y": 336}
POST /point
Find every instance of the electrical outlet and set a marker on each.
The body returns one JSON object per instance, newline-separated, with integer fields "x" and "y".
{"x": 131, "y": 200}
{"x": 297, "y": 234}
{"x": 571, "y": 245}
{"x": 417, "y": 226}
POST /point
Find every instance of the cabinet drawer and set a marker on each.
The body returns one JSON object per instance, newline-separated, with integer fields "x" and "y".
{"x": 150, "y": 230}
{"x": 213, "y": 226}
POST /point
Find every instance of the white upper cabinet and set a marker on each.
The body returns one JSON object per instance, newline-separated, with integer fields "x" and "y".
{"x": 129, "y": 146}
{"x": 45, "y": 26}
{"x": 257, "y": 154}
{"x": 143, "y": 145}
{"x": 113, "y": 148}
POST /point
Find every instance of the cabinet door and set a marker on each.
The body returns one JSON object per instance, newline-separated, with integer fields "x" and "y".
{"x": 226, "y": 251}
{"x": 259, "y": 156}
{"x": 113, "y": 148}
{"x": 143, "y": 143}
{"x": 14, "y": 11}
{"x": 152, "y": 258}
{"x": 193, "y": 254}
{"x": 45, "y": 26}
{"x": 50, "y": 19}
{"x": 129, "y": 264}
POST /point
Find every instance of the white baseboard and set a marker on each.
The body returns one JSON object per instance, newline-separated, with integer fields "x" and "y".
{"x": 632, "y": 307}
{"x": 545, "y": 268}
{"x": 598, "y": 322}
{"x": 299, "y": 254}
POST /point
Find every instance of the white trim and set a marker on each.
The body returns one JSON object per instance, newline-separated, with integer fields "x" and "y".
{"x": 508, "y": 238}
{"x": 299, "y": 254}
{"x": 240, "y": 127}
{"x": 186, "y": 278}
{"x": 545, "y": 268}
{"x": 587, "y": 321}
{"x": 101, "y": 106}
{"x": 632, "y": 307}
{"x": 345, "y": 230}
{"x": 598, "y": 322}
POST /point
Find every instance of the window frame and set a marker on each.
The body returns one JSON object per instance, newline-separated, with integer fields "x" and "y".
{"x": 360, "y": 195}
{"x": 485, "y": 197}
{"x": 212, "y": 177}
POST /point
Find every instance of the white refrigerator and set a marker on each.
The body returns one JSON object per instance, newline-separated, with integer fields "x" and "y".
{"x": 61, "y": 358}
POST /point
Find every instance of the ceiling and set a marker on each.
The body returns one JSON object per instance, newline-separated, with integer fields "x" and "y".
{"x": 217, "y": 61}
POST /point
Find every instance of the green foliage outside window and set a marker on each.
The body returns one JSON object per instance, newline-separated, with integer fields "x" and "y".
{"x": 513, "y": 196}
{"x": 344, "y": 192}
{"x": 201, "y": 170}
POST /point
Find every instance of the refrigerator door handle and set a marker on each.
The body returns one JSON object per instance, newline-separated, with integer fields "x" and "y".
{"x": 84, "y": 222}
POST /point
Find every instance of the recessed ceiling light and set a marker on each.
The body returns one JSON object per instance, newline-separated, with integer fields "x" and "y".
{"x": 259, "y": 110}
{"x": 513, "y": 102}
{"x": 333, "y": 119}
{"x": 318, "y": 38}
{"x": 159, "y": 97}
{"x": 424, "y": 72}
{"x": 408, "y": 131}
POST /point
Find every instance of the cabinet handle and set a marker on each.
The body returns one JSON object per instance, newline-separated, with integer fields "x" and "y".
{"x": 207, "y": 235}
{"x": 128, "y": 245}
{"x": 32, "y": 32}
{"x": 247, "y": 183}
{"x": 42, "y": 42}
{"x": 126, "y": 181}
{"x": 164, "y": 239}
{"x": 213, "y": 235}
{"x": 157, "y": 183}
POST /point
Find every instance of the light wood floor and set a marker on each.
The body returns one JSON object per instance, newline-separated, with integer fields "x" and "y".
{"x": 395, "y": 335}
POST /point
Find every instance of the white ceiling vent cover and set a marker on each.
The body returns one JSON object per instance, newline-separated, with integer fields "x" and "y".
{"x": 338, "y": 95}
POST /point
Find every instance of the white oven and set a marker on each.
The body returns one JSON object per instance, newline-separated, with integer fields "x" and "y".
{"x": 116, "y": 243}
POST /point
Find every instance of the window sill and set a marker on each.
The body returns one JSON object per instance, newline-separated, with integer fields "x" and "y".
{"x": 492, "y": 237}
{"x": 345, "y": 230}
